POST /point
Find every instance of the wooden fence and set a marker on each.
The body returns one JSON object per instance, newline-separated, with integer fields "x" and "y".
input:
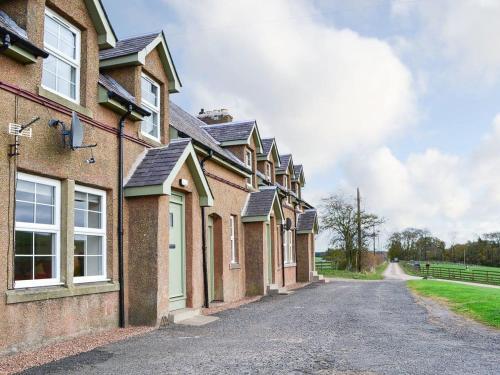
{"x": 461, "y": 274}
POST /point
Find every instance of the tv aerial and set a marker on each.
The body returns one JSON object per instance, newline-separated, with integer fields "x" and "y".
{"x": 72, "y": 137}
{"x": 17, "y": 131}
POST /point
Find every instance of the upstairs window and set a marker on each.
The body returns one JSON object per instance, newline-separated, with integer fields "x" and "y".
{"x": 268, "y": 171}
{"x": 150, "y": 92}
{"x": 61, "y": 70}
{"x": 36, "y": 258}
{"x": 249, "y": 164}
{"x": 90, "y": 235}
{"x": 285, "y": 181}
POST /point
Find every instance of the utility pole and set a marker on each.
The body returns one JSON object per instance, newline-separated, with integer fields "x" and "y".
{"x": 359, "y": 231}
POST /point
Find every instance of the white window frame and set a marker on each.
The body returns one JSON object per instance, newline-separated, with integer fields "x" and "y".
{"x": 76, "y": 63}
{"x": 44, "y": 228}
{"x": 288, "y": 245}
{"x": 285, "y": 181}
{"x": 232, "y": 238}
{"x": 249, "y": 164}
{"x": 151, "y": 107}
{"x": 268, "y": 171}
{"x": 101, "y": 232}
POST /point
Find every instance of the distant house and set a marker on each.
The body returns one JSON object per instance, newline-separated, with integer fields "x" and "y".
{"x": 127, "y": 207}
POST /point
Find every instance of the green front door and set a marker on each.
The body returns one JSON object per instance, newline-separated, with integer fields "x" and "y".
{"x": 210, "y": 242}
{"x": 269, "y": 254}
{"x": 177, "y": 254}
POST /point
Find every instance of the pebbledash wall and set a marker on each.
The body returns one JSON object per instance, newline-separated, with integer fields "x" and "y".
{"x": 40, "y": 311}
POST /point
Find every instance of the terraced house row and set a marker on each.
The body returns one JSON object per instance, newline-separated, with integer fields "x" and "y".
{"x": 118, "y": 207}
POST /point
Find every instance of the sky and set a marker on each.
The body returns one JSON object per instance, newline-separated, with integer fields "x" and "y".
{"x": 400, "y": 98}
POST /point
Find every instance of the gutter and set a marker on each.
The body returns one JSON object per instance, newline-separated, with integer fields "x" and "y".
{"x": 128, "y": 104}
{"x": 204, "y": 239}
{"x": 24, "y": 44}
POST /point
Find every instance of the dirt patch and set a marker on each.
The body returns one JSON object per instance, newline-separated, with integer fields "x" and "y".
{"x": 22, "y": 361}
{"x": 441, "y": 314}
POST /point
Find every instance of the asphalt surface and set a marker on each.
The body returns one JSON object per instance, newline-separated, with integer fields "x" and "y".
{"x": 344, "y": 327}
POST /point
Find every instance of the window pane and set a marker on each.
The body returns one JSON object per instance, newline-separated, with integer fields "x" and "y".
{"x": 51, "y": 31}
{"x": 80, "y": 200}
{"x": 44, "y": 194}
{"x": 147, "y": 126}
{"x": 94, "y": 219}
{"x": 94, "y": 202}
{"x": 24, "y": 243}
{"x": 44, "y": 214}
{"x": 25, "y": 212}
{"x": 79, "y": 266}
{"x": 94, "y": 266}
{"x": 23, "y": 268}
{"x": 79, "y": 245}
{"x": 67, "y": 43}
{"x": 80, "y": 218}
{"x": 43, "y": 267}
{"x": 25, "y": 191}
{"x": 94, "y": 245}
{"x": 44, "y": 244}
{"x": 64, "y": 87}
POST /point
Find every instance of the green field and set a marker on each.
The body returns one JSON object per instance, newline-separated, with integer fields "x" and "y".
{"x": 479, "y": 303}
{"x": 376, "y": 275}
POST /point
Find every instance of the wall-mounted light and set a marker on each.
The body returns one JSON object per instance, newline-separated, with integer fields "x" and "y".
{"x": 183, "y": 182}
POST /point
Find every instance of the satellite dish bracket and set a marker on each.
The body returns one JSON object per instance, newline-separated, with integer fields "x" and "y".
{"x": 67, "y": 134}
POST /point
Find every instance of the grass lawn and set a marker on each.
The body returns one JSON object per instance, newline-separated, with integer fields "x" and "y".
{"x": 480, "y": 303}
{"x": 377, "y": 275}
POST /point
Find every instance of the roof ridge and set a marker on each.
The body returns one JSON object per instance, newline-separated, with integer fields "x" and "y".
{"x": 153, "y": 33}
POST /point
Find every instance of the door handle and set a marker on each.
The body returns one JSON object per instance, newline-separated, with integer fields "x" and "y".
{"x": 171, "y": 246}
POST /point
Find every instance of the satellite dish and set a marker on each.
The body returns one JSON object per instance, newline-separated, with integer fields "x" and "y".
{"x": 76, "y": 132}
{"x": 288, "y": 223}
{"x": 73, "y": 137}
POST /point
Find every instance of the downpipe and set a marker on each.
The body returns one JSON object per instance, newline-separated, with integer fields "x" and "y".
{"x": 204, "y": 239}
{"x": 121, "y": 271}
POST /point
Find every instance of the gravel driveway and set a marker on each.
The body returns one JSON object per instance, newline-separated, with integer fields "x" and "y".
{"x": 344, "y": 327}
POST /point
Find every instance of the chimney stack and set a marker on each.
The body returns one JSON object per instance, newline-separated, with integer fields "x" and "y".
{"x": 216, "y": 116}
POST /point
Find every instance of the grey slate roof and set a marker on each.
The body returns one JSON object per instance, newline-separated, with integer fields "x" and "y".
{"x": 266, "y": 145}
{"x": 157, "y": 164}
{"x": 284, "y": 160}
{"x": 306, "y": 220}
{"x": 18, "y": 35}
{"x": 118, "y": 90}
{"x": 192, "y": 127}
{"x": 10, "y": 25}
{"x": 128, "y": 46}
{"x": 297, "y": 170}
{"x": 260, "y": 203}
{"x": 230, "y": 131}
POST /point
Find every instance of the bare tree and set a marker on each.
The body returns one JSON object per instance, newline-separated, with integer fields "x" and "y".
{"x": 338, "y": 218}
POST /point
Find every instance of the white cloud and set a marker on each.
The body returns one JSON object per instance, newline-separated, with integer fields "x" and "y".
{"x": 462, "y": 31}
{"x": 323, "y": 92}
{"x": 442, "y": 192}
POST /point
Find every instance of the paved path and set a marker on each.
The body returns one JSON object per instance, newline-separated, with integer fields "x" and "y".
{"x": 394, "y": 272}
{"x": 343, "y": 327}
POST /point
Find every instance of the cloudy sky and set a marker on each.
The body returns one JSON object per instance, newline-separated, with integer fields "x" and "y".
{"x": 400, "y": 98}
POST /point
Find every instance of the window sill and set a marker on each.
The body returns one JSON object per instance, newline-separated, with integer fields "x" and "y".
{"x": 46, "y": 293}
{"x": 64, "y": 102}
{"x": 150, "y": 139}
{"x": 290, "y": 265}
{"x": 234, "y": 266}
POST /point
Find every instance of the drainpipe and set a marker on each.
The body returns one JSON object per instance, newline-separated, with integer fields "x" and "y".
{"x": 295, "y": 237}
{"x": 204, "y": 239}
{"x": 283, "y": 253}
{"x": 121, "y": 126}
